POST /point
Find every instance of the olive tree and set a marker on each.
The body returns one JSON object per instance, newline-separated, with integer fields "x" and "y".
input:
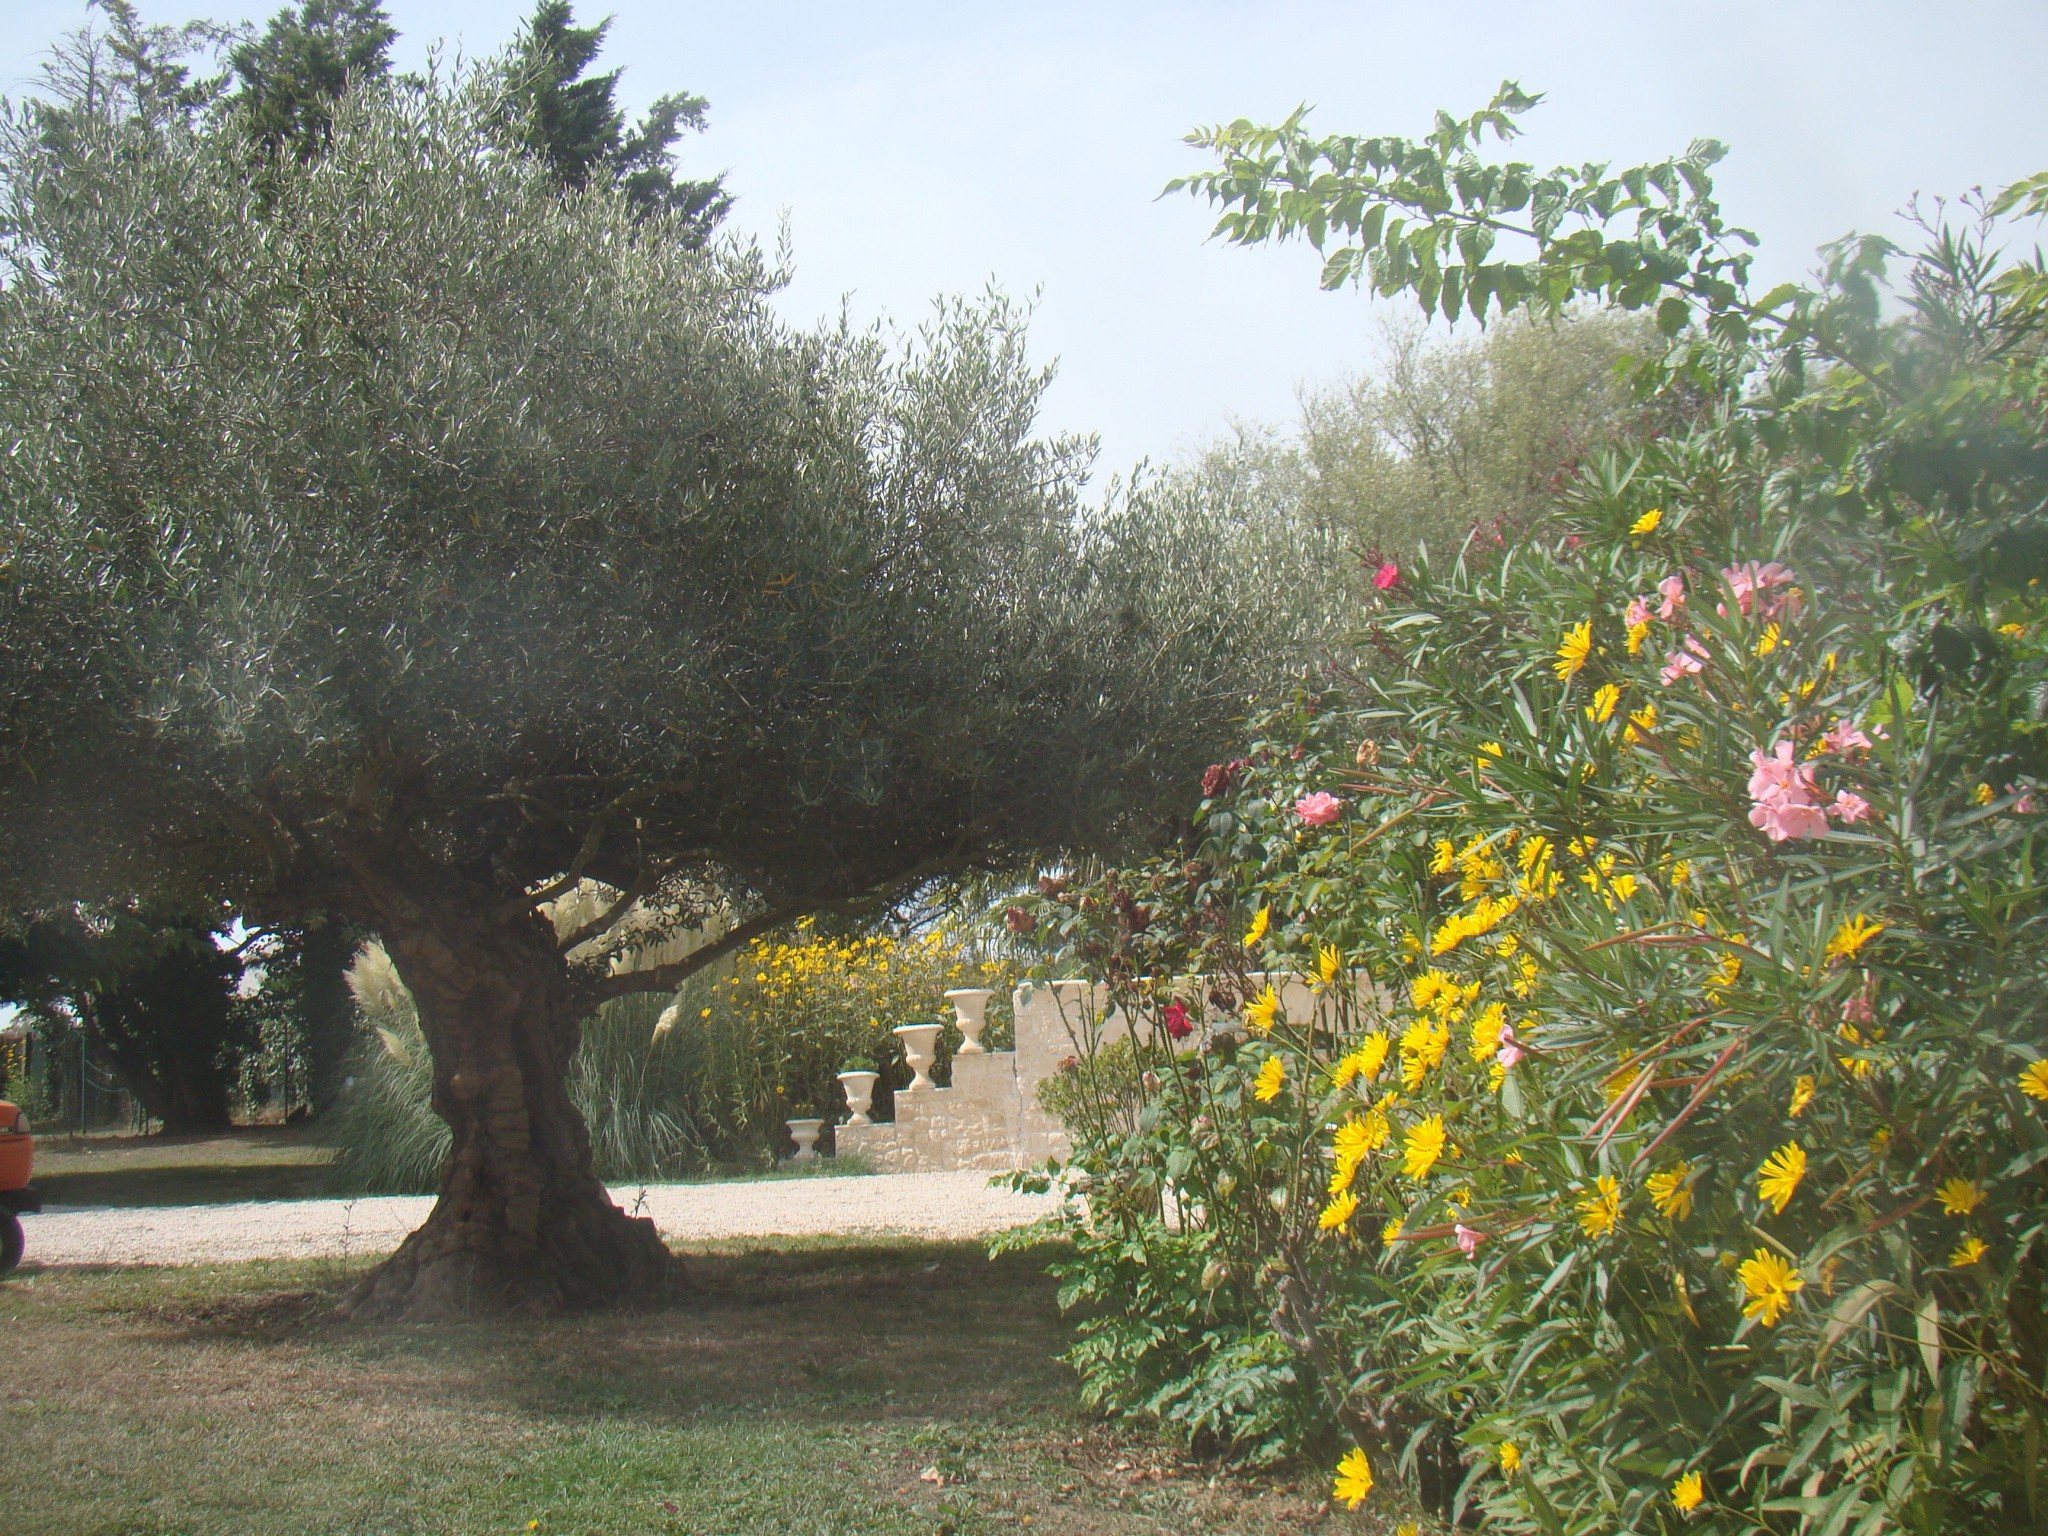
{"x": 415, "y": 543}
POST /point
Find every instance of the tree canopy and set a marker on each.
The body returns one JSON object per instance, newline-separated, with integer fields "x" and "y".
{"x": 409, "y": 541}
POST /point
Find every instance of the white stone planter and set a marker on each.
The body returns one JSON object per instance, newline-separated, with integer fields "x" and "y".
{"x": 920, "y": 1042}
{"x": 805, "y": 1134}
{"x": 970, "y": 1012}
{"x": 860, "y": 1093}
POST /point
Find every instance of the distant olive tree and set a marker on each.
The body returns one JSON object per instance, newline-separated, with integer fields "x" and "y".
{"x": 1443, "y": 434}
{"x": 409, "y": 541}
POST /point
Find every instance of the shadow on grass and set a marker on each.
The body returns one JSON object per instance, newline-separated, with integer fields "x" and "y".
{"x": 816, "y": 1386}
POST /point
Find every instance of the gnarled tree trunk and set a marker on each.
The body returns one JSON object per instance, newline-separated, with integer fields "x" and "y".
{"x": 522, "y": 1222}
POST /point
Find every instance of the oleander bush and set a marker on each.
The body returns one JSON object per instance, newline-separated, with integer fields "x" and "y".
{"x": 1678, "y": 1162}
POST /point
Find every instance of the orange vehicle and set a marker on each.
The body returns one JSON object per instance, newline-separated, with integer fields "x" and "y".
{"x": 17, "y": 1161}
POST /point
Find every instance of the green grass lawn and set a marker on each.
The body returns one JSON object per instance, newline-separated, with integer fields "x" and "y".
{"x": 256, "y": 1163}
{"x": 825, "y": 1387}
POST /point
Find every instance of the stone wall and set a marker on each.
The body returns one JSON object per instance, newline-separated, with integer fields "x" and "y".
{"x": 990, "y": 1117}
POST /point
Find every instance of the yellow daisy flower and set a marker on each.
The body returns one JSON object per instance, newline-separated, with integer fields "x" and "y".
{"x": 1390, "y": 1234}
{"x": 1368, "y": 1057}
{"x": 1271, "y": 1079}
{"x": 1338, "y": 1211}
{"x": 1852, "y": 936}
{"x": 1329, "y": 961}
{"x": 1780, "y": 1175}
{"x": 1510, "y": 1457}
{"x": 1959, "y": 1197}
{"x": 1605, "y": 697}
{"x": 1968, "y": 1252}
{"x": 1647, "y": 523}
{"x": 1670, "y": 1192}
{"x": 1600, "y": 1211}
{"x": 1261, "y": 920}
{"x": 1260, "y": 1013}
{"x": 1802, "y": 1095}
{"x": 2034, "y": 1080}
{"x": 1573, "y": 650}
{"x": 1354, "y": 1479}
{"x": 1422, "y": 1145}
{"x": 1688, "y": 1491}
{"x": 1769, "y": 1282}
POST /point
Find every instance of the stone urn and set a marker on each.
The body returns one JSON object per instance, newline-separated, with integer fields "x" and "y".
{"x": 970, "y": 1012}
{"x": 860, "y": 1093}
{"x": 920, "y": 1043}
{"x": 805, "y": 1134}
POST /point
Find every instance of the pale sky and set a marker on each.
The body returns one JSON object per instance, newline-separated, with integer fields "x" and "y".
{"x": 918, "y": 149}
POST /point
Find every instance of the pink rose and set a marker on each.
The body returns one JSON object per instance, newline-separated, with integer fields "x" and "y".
{"x": 1387, "y": 577}
{"x": 1849, "y": 806}
{"x": 1673, "y": 589}
{"x": 1318, "y": 809}
{"x": 1176, "y": 1017}
{"x": 1468, "y": 1238}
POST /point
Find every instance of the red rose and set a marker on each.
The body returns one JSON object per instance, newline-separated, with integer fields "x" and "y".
{"x": 1017, "y": 920}
{"x": 1177, "y": 1024}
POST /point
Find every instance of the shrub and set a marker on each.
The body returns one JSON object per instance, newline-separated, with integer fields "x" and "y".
{"x": 1682, "y": 1165}
{"x": 776, "y": 1027}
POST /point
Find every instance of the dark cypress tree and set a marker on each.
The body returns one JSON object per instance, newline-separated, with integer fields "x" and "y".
{"x": 574, "y": 123}
{"x": 293, "y": 74}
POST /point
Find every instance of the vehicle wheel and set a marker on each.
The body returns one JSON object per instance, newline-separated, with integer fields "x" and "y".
{"x": 11, "y": 1242}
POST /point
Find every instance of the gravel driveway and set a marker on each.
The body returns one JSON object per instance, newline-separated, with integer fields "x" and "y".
{"x": 936, "y": 1205}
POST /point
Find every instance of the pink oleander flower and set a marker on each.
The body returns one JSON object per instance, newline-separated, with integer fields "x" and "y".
{"x": 1469, "y": 1238}
{"x": 1176, "y": 1019}
{"x": 1679, "y": 664}
{"x": 1511, "y": 1050}
{"x": 1749, "y": 579}
{"x": 1638, "y": 612}
{"x": 1673, "y": 590}
{"x": 1849, "y": 807}
{"x": 1387, "y": 577}
{"x": 1783, "y": 819}
{"x": 1780, "y": 773}
{"x": 1318, "y": 809}
{"x": 1845, "y": 739}
{"x": 1858, "y": 1010}
{"x": 1784, "y": 791}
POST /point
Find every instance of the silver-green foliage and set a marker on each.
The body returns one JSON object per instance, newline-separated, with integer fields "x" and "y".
{"x": 404, "y": 464}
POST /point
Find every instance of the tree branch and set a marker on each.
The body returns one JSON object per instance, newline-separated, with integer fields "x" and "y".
{"x": 666, "y": 978}
{"x": 606, "y": 920}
